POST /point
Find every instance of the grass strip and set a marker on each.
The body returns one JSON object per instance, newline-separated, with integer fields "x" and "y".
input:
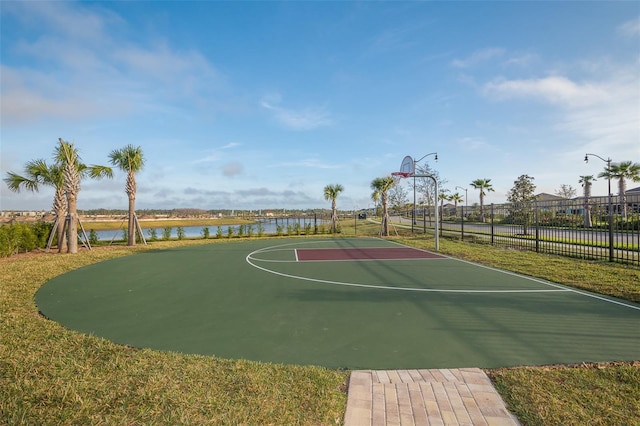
{"x": 588, "y": 394}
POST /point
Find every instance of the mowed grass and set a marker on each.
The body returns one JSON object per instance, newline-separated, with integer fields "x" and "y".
{"x": 49, "y": 375}
{"x": 53, "y": 376}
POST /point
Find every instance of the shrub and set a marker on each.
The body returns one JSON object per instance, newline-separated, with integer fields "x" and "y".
{"x": 42, "y": 231}
{"x": 260, "y": 229}
{"x": 229, "y": 231}
{"x": 18, "y": 237}
{"x": 93, "y": 237}
{"x": 153, "y": 234}
{"x": 219, "y": 232}
{"x": 180, "y": 232}
{"x": 166, "y": 232}
{"x": 205, "y": 232}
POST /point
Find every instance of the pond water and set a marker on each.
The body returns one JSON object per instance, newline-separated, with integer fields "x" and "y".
{"x": 269, "y": 227}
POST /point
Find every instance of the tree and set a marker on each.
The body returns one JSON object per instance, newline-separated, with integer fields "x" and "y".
{"x": 398, "y": 197}
{"x": 331, "y": 193}
{"x": 456, "y": 198}
{"x": 622, "y": 171}
{"x": 130, "y": 160}
{"x": 73, "y": 171}
{"x": 522, "y": 198}
{"x": 425, "y": 186}
{"x": 585, "y": 181}
{"x": 38, "y": 173}
{"x": 566, "y": 191}
{"x": 381, "y": 187}
{"x": 442, "y": 196}
{"x": 484, "y": 186}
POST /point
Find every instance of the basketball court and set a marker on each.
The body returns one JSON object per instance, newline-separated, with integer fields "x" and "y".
{"x": 357, "y": 303}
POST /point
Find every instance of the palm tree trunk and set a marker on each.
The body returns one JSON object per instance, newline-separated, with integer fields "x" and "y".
{"x": 72, "y": 230}
{"x": 131, "y": 192}
{"x": 334, "y": 216}
{"x": 481, "y": 208}
{"x": 132, "y": 224}
{"x": 60, "y": 208}
{"x": 72, "y": 187}
{"x": 622, "y": 189}
{"x": 385, "y": 216}
{"x": 587, "y": 206}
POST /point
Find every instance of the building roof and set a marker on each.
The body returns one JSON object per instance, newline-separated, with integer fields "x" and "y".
{"x": 543, "y": 196}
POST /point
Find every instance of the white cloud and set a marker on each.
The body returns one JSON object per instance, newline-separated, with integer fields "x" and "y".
{"x": 232, "y": 169}
{"x": 554, "y": 89}
{"x": 630, "y": 28}
{"x": 231, "y": 145}
{"x": 83, "y": 23}
{"x": 478, "y": 57}
{"x": 474, "y": 144}
{"x": 305, "y": 119}
{"x": 307, "y": 163}
{"x": 523, "y": 60}
{"x": 88, "y": 71}
{"x": 597, "y": 116}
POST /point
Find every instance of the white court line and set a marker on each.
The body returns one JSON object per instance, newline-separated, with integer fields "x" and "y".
{"x": 250, "y": 258}
{"x": 550, "y": 284}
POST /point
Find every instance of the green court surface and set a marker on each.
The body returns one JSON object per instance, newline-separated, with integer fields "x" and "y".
{"x": 340, "y": 303}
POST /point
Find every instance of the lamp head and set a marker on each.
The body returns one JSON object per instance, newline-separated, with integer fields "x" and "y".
{"x": 586, "y": 158}
{"x": 436, "y": 157}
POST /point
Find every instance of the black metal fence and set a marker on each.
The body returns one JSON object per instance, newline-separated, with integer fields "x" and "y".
{"x": 604, "y": 228}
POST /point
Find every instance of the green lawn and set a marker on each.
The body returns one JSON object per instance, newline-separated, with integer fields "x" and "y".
{"x": 49, "y": 375}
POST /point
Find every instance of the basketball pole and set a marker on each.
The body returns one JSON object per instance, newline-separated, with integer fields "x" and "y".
{"x": 435, "y": 204}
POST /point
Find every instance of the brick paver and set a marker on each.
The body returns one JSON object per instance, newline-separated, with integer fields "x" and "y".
{"x": 425, "y": 397}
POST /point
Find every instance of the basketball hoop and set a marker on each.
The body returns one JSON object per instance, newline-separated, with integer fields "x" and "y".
{"x": 400, "y": 175}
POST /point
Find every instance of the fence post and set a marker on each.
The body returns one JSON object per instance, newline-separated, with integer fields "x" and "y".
{"x": 462, "y": 224}
{"x": 537, "y": 229}
{"x": 491, "y": 223}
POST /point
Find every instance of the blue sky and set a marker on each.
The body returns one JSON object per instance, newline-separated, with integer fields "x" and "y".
{"x": 248, "y": 105}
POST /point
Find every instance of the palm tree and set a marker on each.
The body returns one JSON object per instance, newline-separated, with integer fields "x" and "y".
{"x": 586, "y": 182}
{"x": 36, "y": 174}
{"x": 130, "y": 160}
{"x": 331, "y": 193}
{"x": 484, "y": 186}
{"x": 622, "y": 171}
{"x": 442, "y": 197}
{"x": 381, "y": 186}
{"x": 456, "y": 198}
{"x": 73, "y": 171}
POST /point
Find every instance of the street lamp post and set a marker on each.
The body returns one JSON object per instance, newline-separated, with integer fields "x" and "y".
{"x": 415, "y": 162}
{"x": 608, "y": 161}
{"x": 463, "y": 208}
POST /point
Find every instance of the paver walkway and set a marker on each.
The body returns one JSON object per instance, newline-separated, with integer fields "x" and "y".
{"x": 425, "y": 397}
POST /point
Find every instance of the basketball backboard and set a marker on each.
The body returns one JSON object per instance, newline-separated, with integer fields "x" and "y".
{"x": 407, "y": 165}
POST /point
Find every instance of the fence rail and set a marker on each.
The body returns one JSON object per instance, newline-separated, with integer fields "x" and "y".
{"x": 600, "y": 229}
